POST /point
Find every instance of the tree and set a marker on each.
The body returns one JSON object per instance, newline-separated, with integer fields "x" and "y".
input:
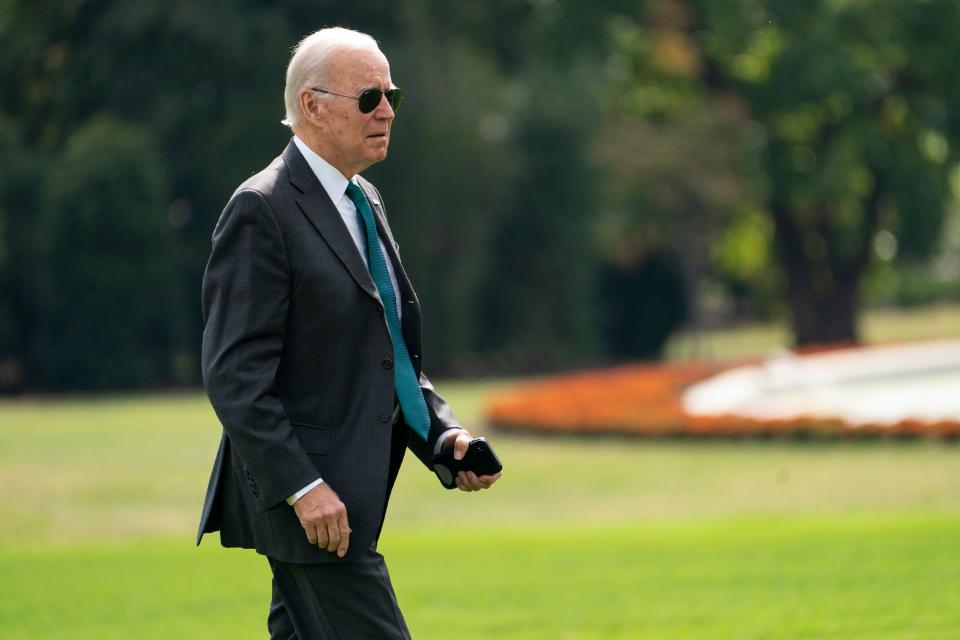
{"x": 674, "y": 163}
{"x": 858, "y": 102}
{"x": 537, "y": 299}
{"x": 173, "y": 97}
{"x": 101, "y": 277}
{"x": 451, "y": 168}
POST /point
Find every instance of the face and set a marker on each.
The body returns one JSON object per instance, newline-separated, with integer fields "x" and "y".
{"x": 353, "y": 141}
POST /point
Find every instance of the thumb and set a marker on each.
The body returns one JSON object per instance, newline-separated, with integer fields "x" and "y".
{"x": 460, "y": 446}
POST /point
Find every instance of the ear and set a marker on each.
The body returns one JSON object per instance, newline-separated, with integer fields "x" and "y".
{"x": 312, "y": 107}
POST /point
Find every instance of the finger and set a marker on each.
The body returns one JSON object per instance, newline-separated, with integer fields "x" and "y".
{"x": 344, "y": 539}
{"x": 311, "y": 535}
{"x": 474, "y": 481}
{"x": 333, "y": 536}
{"x": 464, "y": 481}
{"x": 321, "y": 535}
{"x": 487, "y": 481}
{"x": 460, "y": 445}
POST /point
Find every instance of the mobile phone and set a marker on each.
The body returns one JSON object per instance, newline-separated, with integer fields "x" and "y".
{"x": 480, "y": 458}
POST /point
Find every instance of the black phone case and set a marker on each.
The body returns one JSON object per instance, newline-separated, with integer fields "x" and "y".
{"x": 480, "y": 458}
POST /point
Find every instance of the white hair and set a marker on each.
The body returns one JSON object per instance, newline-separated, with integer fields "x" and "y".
{"x": 312, "y": 61}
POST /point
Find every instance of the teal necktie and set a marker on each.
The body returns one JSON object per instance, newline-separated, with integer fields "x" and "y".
{"x": 404, "y": 378}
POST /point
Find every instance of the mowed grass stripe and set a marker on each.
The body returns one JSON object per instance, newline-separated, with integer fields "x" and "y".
{"x": 877, "y": 577}
{"x": 136, "y": 467}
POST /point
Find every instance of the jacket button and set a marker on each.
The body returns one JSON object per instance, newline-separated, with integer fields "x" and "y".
{"x": 387, "y": 363}
{"x": 385, "y": 416}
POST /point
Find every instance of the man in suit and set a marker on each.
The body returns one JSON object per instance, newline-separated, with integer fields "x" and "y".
{"x": 312, "y": 355}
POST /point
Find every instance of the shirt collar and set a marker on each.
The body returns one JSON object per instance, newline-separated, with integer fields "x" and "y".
{"x": 329, "y": 176}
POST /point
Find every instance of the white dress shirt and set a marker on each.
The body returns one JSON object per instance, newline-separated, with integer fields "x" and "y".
{"x": 335, "y": 184}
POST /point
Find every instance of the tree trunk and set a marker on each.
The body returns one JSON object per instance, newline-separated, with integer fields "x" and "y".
{"x": 825, "y": 316}
{"x": 823, "y": 286}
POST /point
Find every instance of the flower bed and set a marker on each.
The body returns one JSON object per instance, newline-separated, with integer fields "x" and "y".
{"x": 646, "y": 401}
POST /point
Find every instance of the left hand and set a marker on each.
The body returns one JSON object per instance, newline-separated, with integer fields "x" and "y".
{"x": 468, "y": 480}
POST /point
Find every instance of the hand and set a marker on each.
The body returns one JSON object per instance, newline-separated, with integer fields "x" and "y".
{"x": 468, "y": 480}
{"x": 324, "y": 519}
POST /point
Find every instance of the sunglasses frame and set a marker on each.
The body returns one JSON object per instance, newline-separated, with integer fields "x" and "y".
{"x": 365, "y": 99}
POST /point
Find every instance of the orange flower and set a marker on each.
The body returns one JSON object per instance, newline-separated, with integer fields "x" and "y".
{"x": 646, "y": 400}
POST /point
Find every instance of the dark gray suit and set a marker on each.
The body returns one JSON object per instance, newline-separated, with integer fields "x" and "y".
{"x": 297, "y": 362}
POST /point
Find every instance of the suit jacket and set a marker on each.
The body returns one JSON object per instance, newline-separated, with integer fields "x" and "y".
{"x": 297, "y": 363}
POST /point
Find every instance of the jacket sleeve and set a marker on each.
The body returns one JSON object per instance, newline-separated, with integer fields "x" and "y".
{"x": 441, "y": 421}
{"x": 245, "y": 301}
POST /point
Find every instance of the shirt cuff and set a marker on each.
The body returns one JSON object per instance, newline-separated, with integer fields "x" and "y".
{"x": 444, "y": 437}
{"x": 299, "y": 494}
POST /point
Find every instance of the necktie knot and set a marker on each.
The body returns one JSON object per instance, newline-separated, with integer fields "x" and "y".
{"x": 356, "y": 195}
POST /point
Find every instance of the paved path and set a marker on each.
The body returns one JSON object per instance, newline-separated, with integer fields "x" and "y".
{"x": 878, "y": 385}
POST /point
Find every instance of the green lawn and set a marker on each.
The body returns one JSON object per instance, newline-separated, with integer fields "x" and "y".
{"x": 757, "y": 340}
{"x": 582, "y": 539}
{"x": 875, "y": 578}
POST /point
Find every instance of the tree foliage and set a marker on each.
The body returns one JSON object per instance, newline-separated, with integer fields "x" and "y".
{"x": 858, "y": 104}
{"x": 562, "y": 175}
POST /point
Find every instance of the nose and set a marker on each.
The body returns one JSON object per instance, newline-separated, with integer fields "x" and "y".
{"x": 384, "y": 111}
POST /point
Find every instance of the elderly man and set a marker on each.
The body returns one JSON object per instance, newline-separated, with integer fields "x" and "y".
{"x": 312, "y": 355}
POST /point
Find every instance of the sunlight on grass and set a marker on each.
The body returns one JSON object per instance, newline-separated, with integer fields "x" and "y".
{"x": 583, "y": 539}
{"x": 137, "y": 466}
{"x": 871, "y": 578}
{"x": 760, "y": 340}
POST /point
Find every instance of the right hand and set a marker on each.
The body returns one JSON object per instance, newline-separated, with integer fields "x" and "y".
{"x": 324, "y": 519}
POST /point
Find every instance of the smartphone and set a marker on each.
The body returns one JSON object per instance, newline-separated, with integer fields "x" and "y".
{"x": 480, "y": 458}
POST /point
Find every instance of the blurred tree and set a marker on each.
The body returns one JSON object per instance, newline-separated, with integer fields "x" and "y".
{"x": 450, "y": 171}
{"x": 675, "y": 163}
{"x": 859, "y": 103}
{"x": 196, "y": 89}
{"x": 502, "y": 249}
{"x": 15, "y": 166}
{"x": 549, "y": 153}
{"x": 850, "y": 108}
{"x": 103, "y": 255}
{"x": 640, "y": 304}
{"x": 537, "y": 301}
{"x": 200, "y": 85}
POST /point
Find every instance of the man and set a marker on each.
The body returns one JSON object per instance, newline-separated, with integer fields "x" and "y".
{"x": 311, "y": 355}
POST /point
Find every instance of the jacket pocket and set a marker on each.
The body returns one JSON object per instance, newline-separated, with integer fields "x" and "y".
{"x": 314, "y": 438}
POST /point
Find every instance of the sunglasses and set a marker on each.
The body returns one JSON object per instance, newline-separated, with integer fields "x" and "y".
{"x": 370, "y": 98}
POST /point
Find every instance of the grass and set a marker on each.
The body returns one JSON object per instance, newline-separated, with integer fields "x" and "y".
{"x": 582, "y": 539}
{"x": 758, "y": 340}
{"x": 872, "y": 578}
{"x": 136, "y": 467}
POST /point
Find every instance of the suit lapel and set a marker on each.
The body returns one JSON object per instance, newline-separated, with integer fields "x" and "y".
{"x": 323, "y": 215}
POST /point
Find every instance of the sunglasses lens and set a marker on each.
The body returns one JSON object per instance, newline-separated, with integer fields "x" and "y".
{"x": 369, "y": 100}
{"x": 394, "y": 97}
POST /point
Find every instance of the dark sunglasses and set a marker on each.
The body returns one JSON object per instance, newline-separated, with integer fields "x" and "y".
{"x": 370, "y": 98}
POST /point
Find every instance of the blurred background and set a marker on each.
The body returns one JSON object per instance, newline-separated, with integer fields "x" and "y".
{"x": 574, "y": 185}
